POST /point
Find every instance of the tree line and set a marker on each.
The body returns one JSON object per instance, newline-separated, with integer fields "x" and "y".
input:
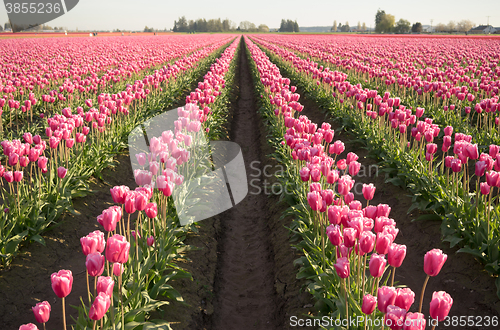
{"x": 216, "y": 25}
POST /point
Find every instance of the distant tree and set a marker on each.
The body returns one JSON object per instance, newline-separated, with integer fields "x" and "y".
{"x": 296, "y": 27}
{"x": 378, "y": 19}
{"x": 345, "y": 27}
{"x": 289, "y": 26}
{"x": 451, "y": 26}
{"x": 359, "y": 25}
{"x": 339, "y": 28}
{"x": 464, "y": 26}
{"x": 387, "y": 23}
{"x": 181, "y": 25}
{"x": 263, "y": 28}
{"x": 248, "y": 26}
{"x": 1, "y": 27}
{"x": 403, "y": 26}
{"x": 226, "y": 25}
{"x": 440, "y": 27}
{"x": 334, "y": 27}
{"x": 417, "y": 27}
{"x": 363, "y": 27}
{"x": 146, "y": 29}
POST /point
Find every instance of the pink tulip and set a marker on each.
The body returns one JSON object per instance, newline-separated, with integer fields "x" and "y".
{"x": 405, "y": 298}
{"x": 415, "y": 321}
{"x": 61, "y": 172}
{"x": 117, "y": 269}
{"x": 337, "y": 147}
{"x": 394, "y": 318}
{"x": 151, "y": 210}
{"x": 485, "y": 188}
{"x": 117, "y": 249}
{"x": 29, "y": 326}
{"x": 434, "y": 261}
{"x": 377, "y": 265}
{"x": 440, "y": 305}
{"x": 334, "y": 234}
{"x": 342, "y": 267}
{"x": 18, "y": 176}
{"x": 99, "y": 307}
{"x": 396, "y": 254}
{"x": 383, "y": 242}
{"x": 315, "y": 201}
{"x": 386, "y": 296}
{"x": 105, "y": 284}
{"x": 118, "y": 194}
{"x": 42, "y": 311}
{"x": 62, "y": 283}
{"x": 95, "y": 264}
{"x": 150, "y": 241}
{"x": 368, "y": 191}
{"x": 304, "y": 174}
{"x": 349, "y": 235}
{"x": 367, "y": 241}
{"x": 354, "y": 168}
{"x": 369, "y": 304}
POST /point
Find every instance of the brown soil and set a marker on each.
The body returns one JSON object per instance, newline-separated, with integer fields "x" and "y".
{"x": 472, "y": 289}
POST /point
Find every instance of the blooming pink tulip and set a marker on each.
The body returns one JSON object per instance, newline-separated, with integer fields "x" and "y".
{"x": 61, "y": 172}
{"x": 405, "y": 298}
{"x": 29, "y": 326}
{"x": 117, "y": 249}
{"x": 434, "y": 261}
{"x": 369, "y": 304}
{"x": 95, "y": 264}
{"x": 368, "y": 191}
{"x": 334, "y": 234}
{"x": 394, "y": 318}
{"x": 342, "y": 267}
{"x": 396, "y": 254}
{"x": 440, "y": 305}
{"x": 415, "y": 321}
{"x": 99, "y": 307}
{"x": 62, "y": 283}
{"x": 377, "y": 265}
{"x": 105, "y": 284}
{"x": 117, "y": 269}
{"x": 18, "y": 176}
{"x": 386, "y": 296}
{"x": 150, "y": 241}
{"x": 42, "y": 311}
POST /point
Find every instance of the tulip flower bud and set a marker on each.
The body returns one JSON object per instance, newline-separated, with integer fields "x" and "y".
{"x": 334, "y": 234}
{"x": 117, "y": 269}
{"x": 386, "y": 296}
{"x": 105, "y": 284}
{"x": 377, "y": 265}
{"x": 369, "y": 304}
{"x": 150, "y": 241}
{"x": 151, "y": 210}
{"x": 99, "y": 307}
{"x": 367, "y": 241}
{"x": 117, "y": 249}
{"x": 95, "y": 264}
{"x": 42, "y": 311}
{"x": 61, "y": 172}
{"x": 342, "y": 267}
{"x": 62, "y": 283}
{"x": 415, "y": 321}
{"x": 405, "y": 298}
{"x": 440, "y": 305}
{"x": 368, "y": 191}
{"x": 29, "y": 326}
{"x": 434, "y": 261}
{"x": 394, "y": 318}
{"x": 18, "y": 176}
{"x": 396, "y": 254}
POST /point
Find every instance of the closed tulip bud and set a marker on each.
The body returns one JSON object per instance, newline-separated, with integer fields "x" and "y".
{"x": 341, "y": 164}
{"x": 117, "y": 269}
{"x": 337, "y": 147}
{"x": 472, "y": 151}
{"x": 494, "y": 150}
{"x": 368, "y": 191}
{"x": 351, "y": 157}
{"x": 349, "y": 235}
{"x": 151, "y": 210}
{"x": 334, "y": 214}
{"x": 42, "y": 162}
{"x": 18, "y": 176}
{"x": 456, "y": 165}
{"x": 440, "y": 305}
{"x": 386, "y": 296}
{"x": 150, "y": 241}
{"x": 130, "y": 202}
{"x": 117, "y": 249}
{"x": 315, "y": 201}
{"x": 13, "y": 159}
{"x": 70, "y": 143}
{"x": 42, "y": 311}
{"x": 396, "y": 254}
{"x": 383, "y": 210}
{"x": 369, "y": 304}
{"x": 99, "y": 307}
{"x": 485, "y": 188}
{"x": 334, "y": 234}
{"x": 62, "y": 283}
{"x": 118, "y": 194}
{"x": 354, "y": 168}
{"x": 448, "y": 130}
{"x": 405, "y": 298}
{"x": 367, "y": 241}
{"x": 395, "y": 317}
{"x": 415, "y": 321}
{"x": 141, "y": 201}
{"x": 29, "y": 326}
{"x": 304, "y": 174}
{"x": 377, "y": 265}
{"x": 434, "y": 261}
{"x": 480, "y": 168}
{"x": 95, "y": 264}
{"x": 342, "y": 267}
{"x": 105, "y": 284}
{"x": 61, "y": 172}
{"x": 383, "y": 242}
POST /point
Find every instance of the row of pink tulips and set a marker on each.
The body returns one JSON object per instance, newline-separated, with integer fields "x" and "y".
{"x": 339, "y": 217}
{"x": 165, "y": 157}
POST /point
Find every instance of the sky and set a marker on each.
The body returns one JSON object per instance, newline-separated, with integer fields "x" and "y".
{"x": 135, "y": 15}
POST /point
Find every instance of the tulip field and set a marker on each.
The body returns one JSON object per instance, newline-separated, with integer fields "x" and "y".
{"x": 423, "y": 111}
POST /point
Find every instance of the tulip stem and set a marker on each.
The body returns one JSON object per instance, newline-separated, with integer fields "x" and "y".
{"x": 346, "y": 304}
{"x": 393, "y": 272}
{"x": 88, "y": 287}
{"x": 121, "y": 300}
{"x": 44, "y": 327}
{"x": 93, "y": 327}
{"x": 433, "y": 327}
{"x": 363, "y": 280}
{"x": 64, "y": 314}
{"x": 422, "y": 294}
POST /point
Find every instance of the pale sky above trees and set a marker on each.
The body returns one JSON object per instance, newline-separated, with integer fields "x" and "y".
{"x": 160, "y": 14}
